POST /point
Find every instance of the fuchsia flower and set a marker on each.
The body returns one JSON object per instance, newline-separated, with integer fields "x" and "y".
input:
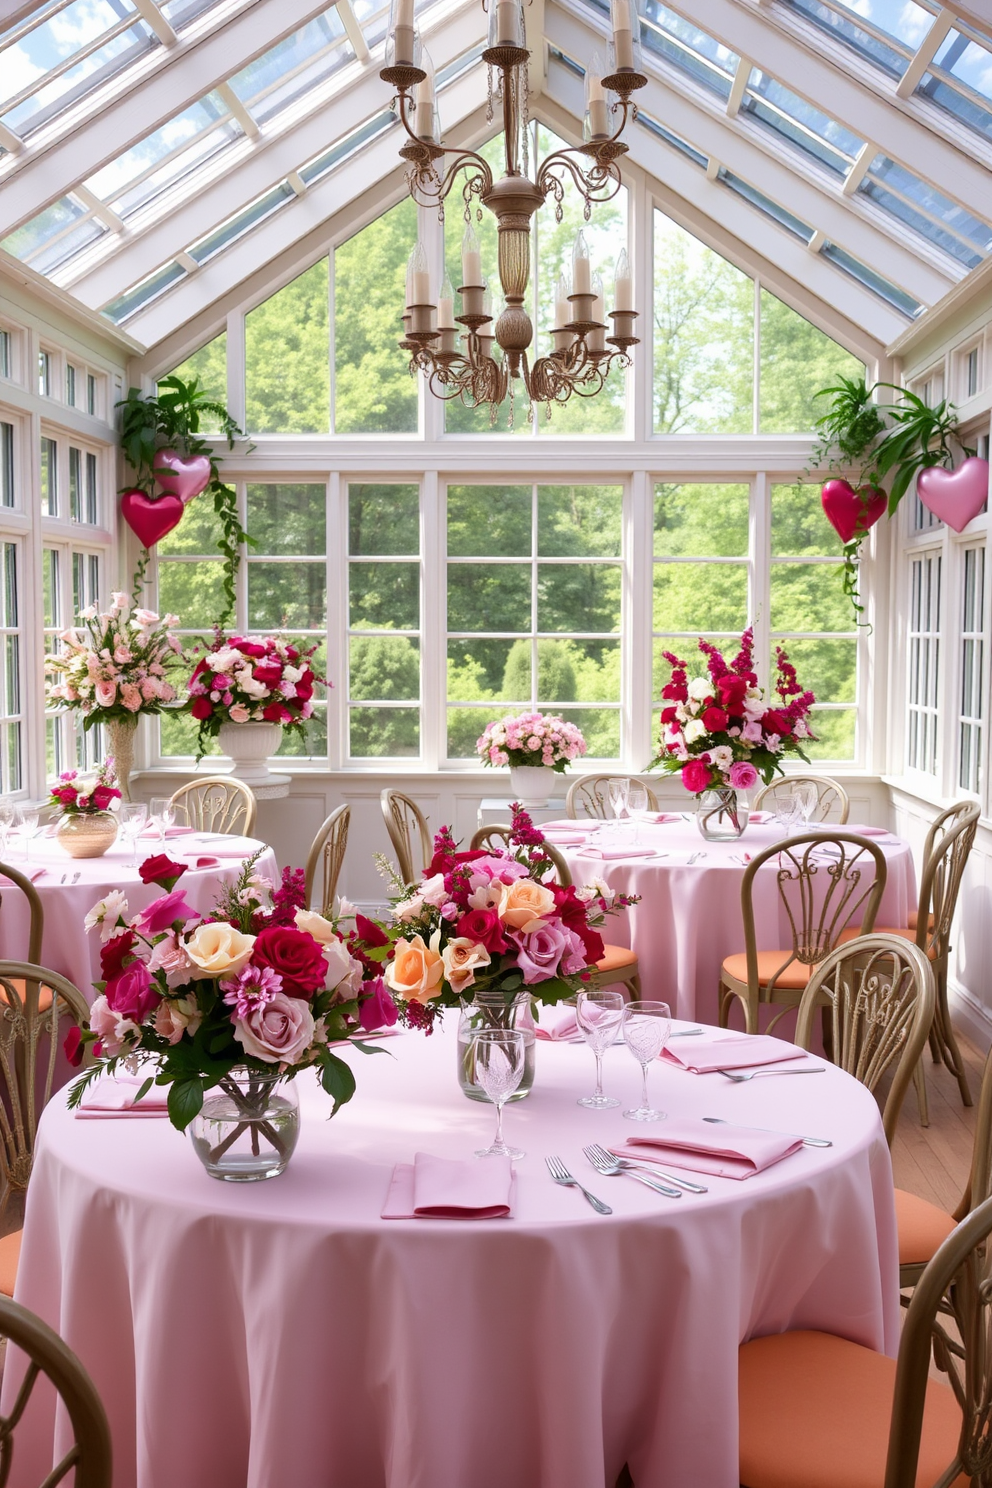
{"x": 743, "y": 775}
{"x": 163, "y": 913}
{"x": 695, "y": 776}
{"x": 252, "y": 988}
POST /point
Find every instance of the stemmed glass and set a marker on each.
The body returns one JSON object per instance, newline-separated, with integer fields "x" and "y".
{"x": 162, "y": 813}
{"x": 499, "y": 1067}
{"x": 637, "y": 805}
{"x": 6, "y": 822}
{"x": 620, "y": 796}
{"x": 27, "y": 820}
{"x": 598, "y": 1015}
{"x": 807, "y": 796}
{"x": 133, "y": 816}
{"x": 646, "y": 1026}
{"x": 788, "y": 811}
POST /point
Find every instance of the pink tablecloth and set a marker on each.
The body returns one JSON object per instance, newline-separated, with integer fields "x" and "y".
{"x": 281, "y": 1333}
{"x": 66, "y": 946}
{"x": 689, "y": 918}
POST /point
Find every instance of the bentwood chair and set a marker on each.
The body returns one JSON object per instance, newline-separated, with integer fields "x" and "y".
{"x": 878, "y": 995}
{"x": 36, "y": 929}
{"x": 327, "y": 854}
{"x": 618, "y": 965}
{"x": 37, "y": 1008}
{"x": 218, "y": 803}
{"x": 590, "y": 796}
{"x": 405, "y": 821}
{"x": 90, "y": 1457}
{"x": 818, "y": 1411}
{"x": 825, "y": 880}
{"x": 830, "y": 796}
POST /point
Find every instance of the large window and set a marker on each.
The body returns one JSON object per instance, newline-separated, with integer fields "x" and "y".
{"x": 972, "y": 698}
{"x": 701, "y": 552}
{"x": 924, "y": 662}
{"x": 384, "y": 625}
{"x": 11, "y": 707}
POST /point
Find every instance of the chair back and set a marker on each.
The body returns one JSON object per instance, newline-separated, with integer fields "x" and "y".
{"x": 404, "y": 822}
{"x": 590, "y": 796}
{"x": 830, "y": 795}
{"x": 957, "y": 1284}
{"x": 35, "y": 1004}
{"x": 940, "y": 884}
{"x": 823, "y": 886}
{"x": 327, "y": 854}
{"x": 947, "y": 819}
{"x": 90, "y": 1454}
{"x": 36, "y": 929}
{"x": 218, "y": 803}
{"x": 497, "y": 838}
{"x": 979, "y": 1186}
{"x": 880, "y": 993}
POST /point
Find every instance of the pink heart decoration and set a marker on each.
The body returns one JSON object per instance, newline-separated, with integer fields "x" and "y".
{"x": 181, "y": 477}
{"x": 849, "y": 511}
{"x": 955, "y": 496}
{"x": 150, "y": 519}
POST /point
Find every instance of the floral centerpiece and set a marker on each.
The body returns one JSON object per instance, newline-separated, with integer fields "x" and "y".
{"x": 251, "y": 680}
{"x": 114, "y": 667}
{"x": 533, "y": 745}
{"x": 85, "y": 804}
{"x": 720, "y": 733}
{"x": 226, "y": 1008}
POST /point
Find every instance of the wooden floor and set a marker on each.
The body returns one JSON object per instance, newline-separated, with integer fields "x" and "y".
{"x": 933, "y": 1161}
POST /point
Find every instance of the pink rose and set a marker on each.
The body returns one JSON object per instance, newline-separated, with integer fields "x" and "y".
{"x": 106, "y": 693}
{"x": 695, "y": 776}
{"x": 239, "y": 713}
{"x": 280, "y": 1032}
{"x": 541, "y": 951}
{"x": 743, "y": 775}
{"x": 132, "y": 994}
{"x": 163, "y": 912}
{"x": 173, "y": 1019}
{"x": 110, "y": 1027}
{"x": 752, "y": 732}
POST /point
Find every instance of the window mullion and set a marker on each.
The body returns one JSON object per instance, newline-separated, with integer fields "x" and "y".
{"x": 433, "y": 618}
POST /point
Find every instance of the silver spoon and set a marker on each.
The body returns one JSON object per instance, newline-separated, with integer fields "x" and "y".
{"x": 806, "y": 1141}
{"x": 739, "y": 1079}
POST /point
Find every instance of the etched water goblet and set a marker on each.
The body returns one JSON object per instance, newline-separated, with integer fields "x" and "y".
{"x": 499, "y": 1067}
{"x": 646, "y": 1028}
{"x": 598, "y": 1015}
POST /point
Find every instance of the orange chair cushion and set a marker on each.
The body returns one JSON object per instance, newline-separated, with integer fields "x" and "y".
{"x": 923, "y": 1228}
{"x": 914, "y": 919}
{"x": 10, "y": 1254}
{"x": 616, "y": 958}
{"x": 903, "y": 931}
{"x": 793, "y": 978}
{"x": 44, "y": 995}
{"x": 815, "y": 1411}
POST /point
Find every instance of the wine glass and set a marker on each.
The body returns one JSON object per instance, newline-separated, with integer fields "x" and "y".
{"x": 133, "y": 816}
{"x": 637, "y": 805}
{"x": 6, "y": 821}
{"x": 620, "y": 796}
{"x": 808, "y": 797}
{"x": 499, "y": 1067}
{"x": 787, "y": 810}
{"x": 646, "y": 1026}
{"x": 27, "y": 821}
{"x": 162, "y": 813}
{"x": 598, "y": 1015}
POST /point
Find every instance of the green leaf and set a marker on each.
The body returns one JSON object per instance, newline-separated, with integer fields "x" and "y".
{"x": 338, "y": 1080}
{"x": 185, "y": 1101}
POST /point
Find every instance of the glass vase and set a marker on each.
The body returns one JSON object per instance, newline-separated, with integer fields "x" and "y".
{"x": 248, "y": 1126}
{"x": 722, "y": 814}
{"x": 86, "y": 834}
{"x": 490, "y": 1010}
{"x": 120, "y": 736}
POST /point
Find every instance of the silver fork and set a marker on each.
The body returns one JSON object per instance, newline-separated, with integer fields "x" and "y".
{"x": 612, "y": 1167}
{"x": 77, "y": 876}
{"x": 694, "y": 858}
{"x": 635, "y": 1169}
{"x": 739, "y": 1079}
{"x": 561, "y": 1175}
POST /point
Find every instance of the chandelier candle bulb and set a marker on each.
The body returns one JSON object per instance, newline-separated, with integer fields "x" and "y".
{"x": 597, "y": 338}
{"x": 563, "y": 310}
{"x": 446, "y": 306}
{"x": 596, "y": 111}
{"x": 424, "y": 123}
{"x": 471, "y": 257}
{"x": 623, "y": 289}
{"x": 507, "y": 28}
{"x": 581, "y": 267}
{"x": 403, "y": 44}
{"x": 623, "y": 35}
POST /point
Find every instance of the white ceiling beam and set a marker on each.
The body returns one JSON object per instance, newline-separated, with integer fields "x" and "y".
{"x": 746, "y": 153}
{"x": 238, "y": 110}
{"x": 151, "y": 13}
{"x": 353, "y": 30}
{"x": 738, "y": 87}
{"x": 274, "y": 158}
{"x": 808, "y": 71}
{"x": 10, "y": 141}
{"x": 184, "y": 74}
{"x": 924, "y": 54}
{"x": 859, "y": 169}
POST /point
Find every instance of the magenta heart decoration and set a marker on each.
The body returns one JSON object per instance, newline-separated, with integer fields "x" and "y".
{"x": 955, "y": 496}
{"x": 148, "y": 519}
{"x": 851, "y": 512}
{"x": 181, "y": 477}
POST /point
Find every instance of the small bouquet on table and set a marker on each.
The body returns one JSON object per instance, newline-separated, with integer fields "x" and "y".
{"x": 720, "y": 734}
{"x": 85, "y": 804}
{"x": 245, "y": 691}
{"x": 536, "y": 746}
{"x": 489, "y": 930}
{"x": 225, "y": 1009}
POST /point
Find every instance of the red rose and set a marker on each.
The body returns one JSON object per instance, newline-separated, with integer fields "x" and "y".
{"x": 201, "y": 707}
{"x": 249, "y": 648}
{"x": 573, "y": 916}
{"x": 676, "y": 691}
{"x": 732, "y": 689}
{"x": 371, "y": 933}
{"x": 297, "y": 957}
{"x": 484, "y": 927}
{"x": 715, "y": 720}
{"x": 276, "y": 713}
{"x": 132, "y": 993}
{"x": 115, "y": 952}
{"x": 161, "y": 869}
{"x": 269, "y": 674}
{"x": 669, "y": 715}
{"x": 73, "y": 1046}
{"x": 776, "y": 722}
{"x": 304, "y": 687}
{"x": 103, "y": 795}
{"x": 695, "y": 776}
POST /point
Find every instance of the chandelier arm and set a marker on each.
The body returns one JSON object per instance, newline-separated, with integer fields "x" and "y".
{"x": 592, "y": 183}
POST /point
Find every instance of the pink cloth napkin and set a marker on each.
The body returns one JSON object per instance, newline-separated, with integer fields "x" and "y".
{"x": 446, "y": 1188}
{"x": 608, "y": 854}
{"x": 563, "y": 1029}
{"x": 153, "y": 831}
{"x": 561, "y": 838}
{"x": 664, "y": 816}
{"x": 237, "y": 847}
{"x": 866, "y": 831}
{"x": 725, "y": 1152}
{"x": 33, "y": 875}
{"x": 113, "y": 1095}
{"x": 760, "y": 816}
{"x": 703, "y": 1055}
{"x": 205, "y": 861}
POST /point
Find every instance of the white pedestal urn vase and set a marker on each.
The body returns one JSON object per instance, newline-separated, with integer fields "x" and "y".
{"x": 532, "y": 785}
{"x": 250, "y": 746}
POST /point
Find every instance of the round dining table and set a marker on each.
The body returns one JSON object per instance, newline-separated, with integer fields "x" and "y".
{"x": 689, "y": 916}
{"x": 69, "y": 888}
{"x": 284, "y": 1333}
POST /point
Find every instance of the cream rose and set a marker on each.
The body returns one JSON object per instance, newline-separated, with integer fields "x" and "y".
{"x": 415, "y": 971}
{"x": 462, "y": 958}
{"x": 315, "y": 925}
{"x": 524, "y": 904}
{"x": 219, "y": 950}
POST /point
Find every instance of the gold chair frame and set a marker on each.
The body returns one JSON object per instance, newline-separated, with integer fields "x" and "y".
{"x": 36, "y": 930}
{"x": 91, "y": 1454}
{"x": 828, "y": 792}
{"x": 404, "y": 819}
{"x": 820, "y": 919}
{"x": 879, "y": 996}
{"x": 593, "y": 793}
{"x": 328, "y": 849}
{"x": 218, "y": 803}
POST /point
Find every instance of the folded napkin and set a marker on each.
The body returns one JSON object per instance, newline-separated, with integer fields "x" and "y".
{"x": 174, "y": 831}
{"x": 113, "y": 1095}
{"x": 609, "y": 854}
{"x": 561, "y": 838}
{"x": 33, "y": 875}
{"x": 660, "y": 818}
{"x": 205, "y": 861}
{"x": 446, "y": 1188}
{"x": 761, "y": 816}
{"x": 867, "y": 831}
{"x": 231, "y": 847}
{"x": 563, "y": 1030}
{"x": 740, "y": 1051}
{"x": 724, "y": 1151}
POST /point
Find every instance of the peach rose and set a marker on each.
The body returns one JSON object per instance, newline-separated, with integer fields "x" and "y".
{"x": 415, "y": 971}
{"x": 462, "y": 958}
{"x": 218, "y": 950}
{"x": 525, "y": 904}
{"x": 173, "y": 1019}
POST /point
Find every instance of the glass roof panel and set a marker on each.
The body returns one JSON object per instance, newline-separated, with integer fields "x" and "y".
{"x": 54, "y": 235}
{"x": 866, "y": 276}
{"x": 792, "y": 118}
{"x": 844, "y": 29}
{"x": 966, "y": 59}
{"x": 180, "y": 13}
{"x": 226, "y": 233}
{"x": 692, "y": 51}
{"x": 765, "y": 204}
{"x": 298, "y": 63}
{"x": 162, "y": 158}
{"x": 142, "y": 294}
{"x": 653, "y": 126}
{"x": 901, "y": 20}
{"x": 963, "y": 107}
{"x": 924, "y": 208}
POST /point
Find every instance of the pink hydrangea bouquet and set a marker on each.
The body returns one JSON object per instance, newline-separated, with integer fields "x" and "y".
{"x": 79, "y": 794}
{"x": 534, "y": 739}
{"x": 719, "y": 731}
{"x": 251, "y": 679}
{"x": 116, "y": 665}
{"x": 494, "y": 921}
{"x": 260, "y": 982}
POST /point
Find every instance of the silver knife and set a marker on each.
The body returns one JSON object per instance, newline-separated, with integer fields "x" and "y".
{"x": 806, "y": 1141}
